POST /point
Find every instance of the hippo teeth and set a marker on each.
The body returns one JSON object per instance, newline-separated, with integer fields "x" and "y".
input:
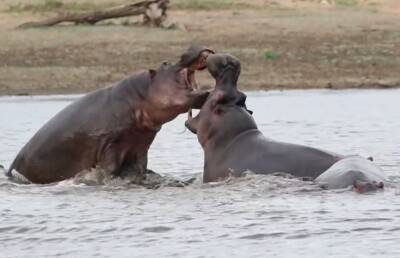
{"x": 190, "y": 115}
{"x": 185, "y": 73}
{"x": 190, "y": 79}
{"x": 193, "y": 82}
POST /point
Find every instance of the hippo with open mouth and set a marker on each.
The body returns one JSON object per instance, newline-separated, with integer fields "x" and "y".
{"x": 112, "y": 128}
{"x": 233, "y": 144}
{"x": 225, "y": 69}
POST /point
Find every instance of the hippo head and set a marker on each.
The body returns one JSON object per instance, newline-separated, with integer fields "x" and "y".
{"x": 363, "y": 186}
{"x": 225, "y": 69}
{"x": 224, "y": 115}
{"x": 173, "y": 89}
{"x": 219, "y": 122}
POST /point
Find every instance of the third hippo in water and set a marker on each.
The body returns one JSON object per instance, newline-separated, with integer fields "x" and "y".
{"x": 112, "y": 128}
{"x": 360, "y": 173}
{"x": 232, "y": 142}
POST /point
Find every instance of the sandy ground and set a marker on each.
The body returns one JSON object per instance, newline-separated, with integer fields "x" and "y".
{"x": 293, "y": 44}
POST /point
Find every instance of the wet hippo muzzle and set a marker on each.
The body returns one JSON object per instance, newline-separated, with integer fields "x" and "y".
{"x": 364, "y": 187}
{"x": 219, "y": 66}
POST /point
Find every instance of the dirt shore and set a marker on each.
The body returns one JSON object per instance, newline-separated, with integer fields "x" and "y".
{"x": 284, "y": 46}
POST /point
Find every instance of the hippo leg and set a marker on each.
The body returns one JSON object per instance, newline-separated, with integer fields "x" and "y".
{"x": 139, "y": 167}
{"x": 112, "y": 159}
{"x": 134, "y": 168}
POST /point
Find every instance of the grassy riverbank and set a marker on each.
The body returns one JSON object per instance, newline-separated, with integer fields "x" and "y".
{"x": 287, "y": 45}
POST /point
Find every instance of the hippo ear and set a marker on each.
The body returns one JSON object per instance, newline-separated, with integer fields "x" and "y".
{"x": 152, "y": 73}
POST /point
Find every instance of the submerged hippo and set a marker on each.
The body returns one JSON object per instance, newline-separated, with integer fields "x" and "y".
{"x": 232, "y": 143}
{"x": 355, "y": 171}
{"x": 112, "y": 128}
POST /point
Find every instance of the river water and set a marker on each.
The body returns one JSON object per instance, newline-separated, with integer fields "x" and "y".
{"x": 252, "y": 216}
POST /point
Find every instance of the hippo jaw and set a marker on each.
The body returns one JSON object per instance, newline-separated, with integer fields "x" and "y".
{"x": 194, "y": 59}
{"x": 189, "y": 124}
{"x": 225, "y": 69}
{"x": 216, "y": 125}
{"x": 189, "y": 78}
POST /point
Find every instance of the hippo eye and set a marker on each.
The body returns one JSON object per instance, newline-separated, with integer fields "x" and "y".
{"x": 166, "y": 63}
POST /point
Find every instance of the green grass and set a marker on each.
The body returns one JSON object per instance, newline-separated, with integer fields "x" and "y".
{"x": 347, "y": 2}
{"x": 270, "y": 54}
{"x": 55, "y": 5}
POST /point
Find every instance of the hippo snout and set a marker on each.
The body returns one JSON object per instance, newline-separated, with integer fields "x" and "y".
{"x": 217, "y": 64}
{"x": 195, "y": 57}
{"x": 364, "y": 187}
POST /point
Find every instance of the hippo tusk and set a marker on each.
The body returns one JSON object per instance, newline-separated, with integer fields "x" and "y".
{"x": 190, "y": 115}
{"x": 195, "y": 87}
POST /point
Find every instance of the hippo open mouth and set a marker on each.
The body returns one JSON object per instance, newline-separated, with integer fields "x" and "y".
{"x": 190, "y": 80}
{"x": 193, "y": 60}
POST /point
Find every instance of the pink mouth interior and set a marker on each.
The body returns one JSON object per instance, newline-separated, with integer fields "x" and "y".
{"x": 192, "y": 80}
{"x": 198, "y": 65}
{"x": 189, "y": 78}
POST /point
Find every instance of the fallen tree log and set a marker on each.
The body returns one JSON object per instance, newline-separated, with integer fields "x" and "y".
{"x": 154, "y": 12}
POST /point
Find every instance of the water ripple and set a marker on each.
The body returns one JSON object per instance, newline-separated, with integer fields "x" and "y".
{"x": 159, "y": 229}
{"x": 262, "y": 236}
{"x": 232, "y": 218}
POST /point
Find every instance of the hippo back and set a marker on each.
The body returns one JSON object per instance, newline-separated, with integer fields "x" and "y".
{"x": 347, "y": 170}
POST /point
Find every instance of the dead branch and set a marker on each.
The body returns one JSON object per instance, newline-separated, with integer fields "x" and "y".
{"x": 154, "y": 12}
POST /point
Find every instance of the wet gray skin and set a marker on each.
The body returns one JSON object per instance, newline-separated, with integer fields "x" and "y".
{"x": 231, "y": 141}
{"x": 112, "y": 128}
{"x": 360, "y": 173}
{"x": 232, "y": 144}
